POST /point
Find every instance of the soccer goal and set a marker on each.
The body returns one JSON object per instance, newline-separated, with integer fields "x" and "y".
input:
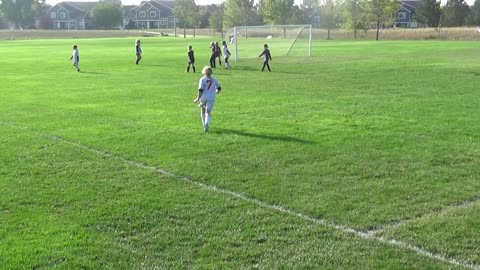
{"x": 283, "y": 40}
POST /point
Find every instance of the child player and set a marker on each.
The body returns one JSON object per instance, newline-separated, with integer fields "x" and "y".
{"x": 213, "y": 56}
{"x": 208, "y": 88}
{"x": 266, "y": 57}
{"x": 226, "y": 54}
{"x": 191, "y": 59}
{"x": 218, "y": 53}
{"x": 138, "y": 51}
{"x": 75, "y": 58}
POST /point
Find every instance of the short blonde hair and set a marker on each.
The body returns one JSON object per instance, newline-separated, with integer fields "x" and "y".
{"x": 206, "y": 69}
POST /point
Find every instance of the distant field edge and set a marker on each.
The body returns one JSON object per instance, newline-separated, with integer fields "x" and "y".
{"x": 460, "y": 33}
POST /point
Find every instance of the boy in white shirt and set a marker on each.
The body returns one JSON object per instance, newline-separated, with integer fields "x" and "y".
{"x": 208, "y": 88}
{"x": 226, "y": 54}
{"x": 75, "y": 58}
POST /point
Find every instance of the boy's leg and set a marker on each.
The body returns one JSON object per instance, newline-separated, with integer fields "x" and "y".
{"x": 194, "y": 71}
{"x": 202, "y": 115}
{"x": 207, "y": 121}
{"x": 268, "y": 66}
{"x": 188, "y": 67}
{"x": 264, "y": 64}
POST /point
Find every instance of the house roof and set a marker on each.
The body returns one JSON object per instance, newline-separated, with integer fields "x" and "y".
{"x": 128, "y": 12}
{"x": 75, "y": 9}
{"x": 411, "y": 5}
{"x": 165, "y": 6}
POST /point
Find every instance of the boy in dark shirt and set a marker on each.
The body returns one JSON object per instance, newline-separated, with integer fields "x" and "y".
{"x": 191, "y": 59}
{"x": 266, "y": 57}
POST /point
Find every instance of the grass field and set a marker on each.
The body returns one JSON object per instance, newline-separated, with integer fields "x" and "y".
{"x": 364, "y": 156}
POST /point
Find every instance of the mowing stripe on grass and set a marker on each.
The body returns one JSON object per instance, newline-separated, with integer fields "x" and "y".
{"x": 457, "y": 205}
{"x": 345, "y": 229}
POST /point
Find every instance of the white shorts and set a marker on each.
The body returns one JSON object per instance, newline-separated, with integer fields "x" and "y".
{"x": 207, "y": 104}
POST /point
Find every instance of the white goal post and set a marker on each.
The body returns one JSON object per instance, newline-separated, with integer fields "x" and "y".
{"x": 269, "y": 32}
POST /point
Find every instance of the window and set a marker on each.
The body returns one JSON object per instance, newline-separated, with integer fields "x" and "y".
{"x": 401, "y": 15}
{"x": 53, "y": 15}
{"x": 63, "y": 15}
{"x": 72, "y": 23}
{"x": 163, "y": 21}
{"x": 153, "y": 13}
{"x": 142, "y": 14}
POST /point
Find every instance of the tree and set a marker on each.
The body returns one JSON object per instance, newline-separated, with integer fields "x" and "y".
{"x": 329, "y": 12}
{"x": 238, "y": 12}
{"x": 355, "y": 16}
{"x": 454, "y": 13}
{"x": 278, "y": 11}
{"x": 382, "y": 11}
{"x": 188, "y": 13}
{"x": 474, "y": 16}
{"x": 216, "y": 20}
{"x": 131, "y": 25}
{"x": 45, "y": 22}
{"x": 309, "y": 4}
{"x": 20, "y": 12}
{"x": 105, "y": 15}
{"x": 428, "y": 12}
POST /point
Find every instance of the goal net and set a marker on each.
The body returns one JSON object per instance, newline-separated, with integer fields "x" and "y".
{"x": 283, "y": 40}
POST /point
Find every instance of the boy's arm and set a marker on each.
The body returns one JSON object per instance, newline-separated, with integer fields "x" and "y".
{"x": 71, "y": 57}
{"x": 199, "y": 95}
{"x": 262, "y": 54}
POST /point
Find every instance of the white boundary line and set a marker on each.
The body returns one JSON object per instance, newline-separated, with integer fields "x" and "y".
{"x": 397, "y": 223}
{"x": 278, "y": 208}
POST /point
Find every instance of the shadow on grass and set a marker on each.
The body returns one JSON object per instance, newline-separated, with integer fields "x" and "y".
{"x": 259, "y": 69}
{"x": 93, "y": 72}
{"x": 262, "y": 136}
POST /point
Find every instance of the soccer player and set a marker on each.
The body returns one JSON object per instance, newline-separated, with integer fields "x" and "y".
{"x": 138, "y": 51}
{"x": 226, "y": 54}
{"x": 266, "y": 57}
{"x": 213, "y": 56}
{"x": 218, "y": 53}
{"x": 191, "y": 59}
{"x": 208, "y": 88}
{"x": 75, "y": 58}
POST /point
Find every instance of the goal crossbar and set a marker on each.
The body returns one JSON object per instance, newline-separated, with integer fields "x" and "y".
{"x": 301, "y": 26}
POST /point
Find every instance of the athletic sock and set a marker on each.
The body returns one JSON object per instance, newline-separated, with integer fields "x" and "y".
{"x": 203, "y": 118}
{"x": 207, "y": 120}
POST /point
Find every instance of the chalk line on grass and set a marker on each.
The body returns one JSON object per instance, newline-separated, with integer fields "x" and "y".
{"x": 397, "y": 223}
{"x": 342, "y": 228}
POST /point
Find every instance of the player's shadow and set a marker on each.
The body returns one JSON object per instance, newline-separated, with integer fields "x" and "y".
{"x": 263, "y": 136}
{"x": 93, "y": 72}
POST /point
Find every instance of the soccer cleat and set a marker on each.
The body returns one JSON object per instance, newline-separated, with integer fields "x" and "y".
{"x": 205, "y": 127}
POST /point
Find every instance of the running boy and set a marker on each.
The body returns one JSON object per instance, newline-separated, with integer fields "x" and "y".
{"x": 226, "y": 54}
{"x": 208, "y": 88}
{"x": 138, "y": 51}
{"x": 75, "y": 58}
{"x": 266, "y": 57}
{"x": 191, "y": 59}
{"x": 218, "y": 53}
{"x": 213, "y": 55}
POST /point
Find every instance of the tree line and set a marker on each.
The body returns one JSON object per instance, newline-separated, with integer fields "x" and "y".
{"x": 355, "y": 15}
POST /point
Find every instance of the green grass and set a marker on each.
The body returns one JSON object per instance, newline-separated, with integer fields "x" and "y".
{"x": 362, "y": 134}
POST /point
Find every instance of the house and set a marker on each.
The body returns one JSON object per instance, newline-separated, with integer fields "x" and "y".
{"x": 71, "y": 15}
{"x": 312, "y": 16}
{"x": 404, "y": 16}
{"x": 152, "y": 14}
